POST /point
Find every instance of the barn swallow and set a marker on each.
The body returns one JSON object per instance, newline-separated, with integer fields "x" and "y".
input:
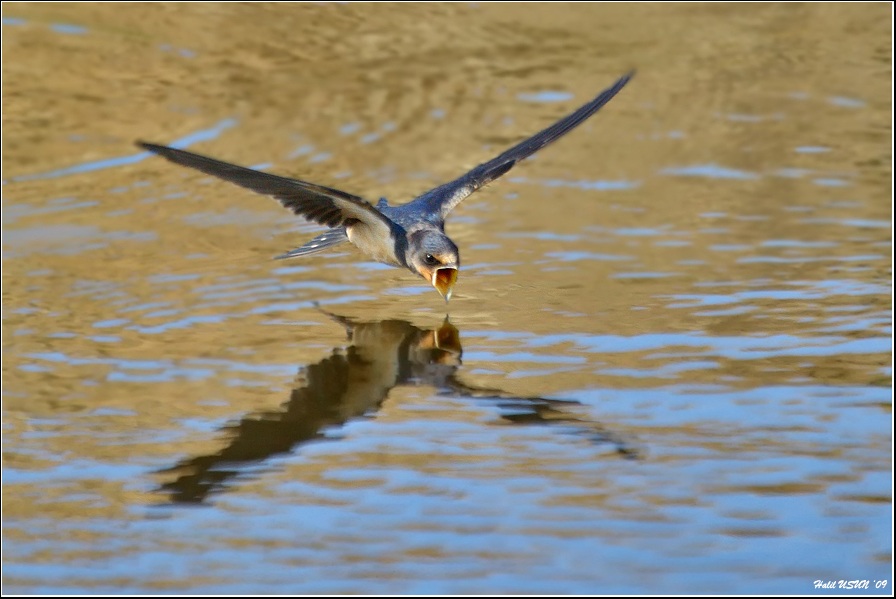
{"x": 412, "y": 235}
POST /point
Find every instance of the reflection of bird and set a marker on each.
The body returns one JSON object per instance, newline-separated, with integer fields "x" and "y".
{"x": 410, "y": 236}
{"x": 352, "y": 383}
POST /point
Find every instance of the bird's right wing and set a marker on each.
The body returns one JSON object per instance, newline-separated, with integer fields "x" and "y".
{"x": 441, "y": 200}
{"x": 319, "y": 204}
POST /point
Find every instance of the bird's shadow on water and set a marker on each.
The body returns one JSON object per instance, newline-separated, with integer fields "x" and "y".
{"x": 352, "y": 383}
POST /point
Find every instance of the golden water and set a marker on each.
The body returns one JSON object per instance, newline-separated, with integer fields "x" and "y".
{"x": 667, "y": 367}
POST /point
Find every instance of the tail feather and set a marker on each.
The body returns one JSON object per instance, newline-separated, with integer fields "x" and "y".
{"x": 318, "y": 244}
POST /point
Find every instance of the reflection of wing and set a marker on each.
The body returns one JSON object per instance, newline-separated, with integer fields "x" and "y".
{"x": 543, "y": 411}
{"x": 441, "y": 200}
{"x": 311, "y": 408}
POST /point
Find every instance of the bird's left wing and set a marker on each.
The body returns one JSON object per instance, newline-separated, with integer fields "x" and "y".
{"x": 319, "y": 204}
{"x": 441, "y": 200}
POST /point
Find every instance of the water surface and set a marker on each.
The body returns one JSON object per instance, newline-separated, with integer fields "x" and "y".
{"x": 666, "y": 368}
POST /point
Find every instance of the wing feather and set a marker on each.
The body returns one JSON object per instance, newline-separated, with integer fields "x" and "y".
{"x": 323, "y": 205}
{"x": 441, "y": 200}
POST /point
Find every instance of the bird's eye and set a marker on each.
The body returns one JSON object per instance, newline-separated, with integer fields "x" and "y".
{"x": 430, "y": 259}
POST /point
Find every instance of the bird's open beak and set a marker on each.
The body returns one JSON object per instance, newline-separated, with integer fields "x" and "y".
{"x": 443, "y": 280}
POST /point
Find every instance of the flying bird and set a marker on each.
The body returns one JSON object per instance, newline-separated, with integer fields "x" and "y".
{"x": 409, "y": 236}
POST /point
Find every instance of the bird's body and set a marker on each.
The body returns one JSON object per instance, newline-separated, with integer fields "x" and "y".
{"x": 409, "y": 236}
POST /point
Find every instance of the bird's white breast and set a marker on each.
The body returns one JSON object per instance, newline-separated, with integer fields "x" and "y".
{"x": 374, "y": 243}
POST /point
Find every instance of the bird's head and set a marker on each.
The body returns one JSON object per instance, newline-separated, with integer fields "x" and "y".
{"x": 435, "y": 258}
